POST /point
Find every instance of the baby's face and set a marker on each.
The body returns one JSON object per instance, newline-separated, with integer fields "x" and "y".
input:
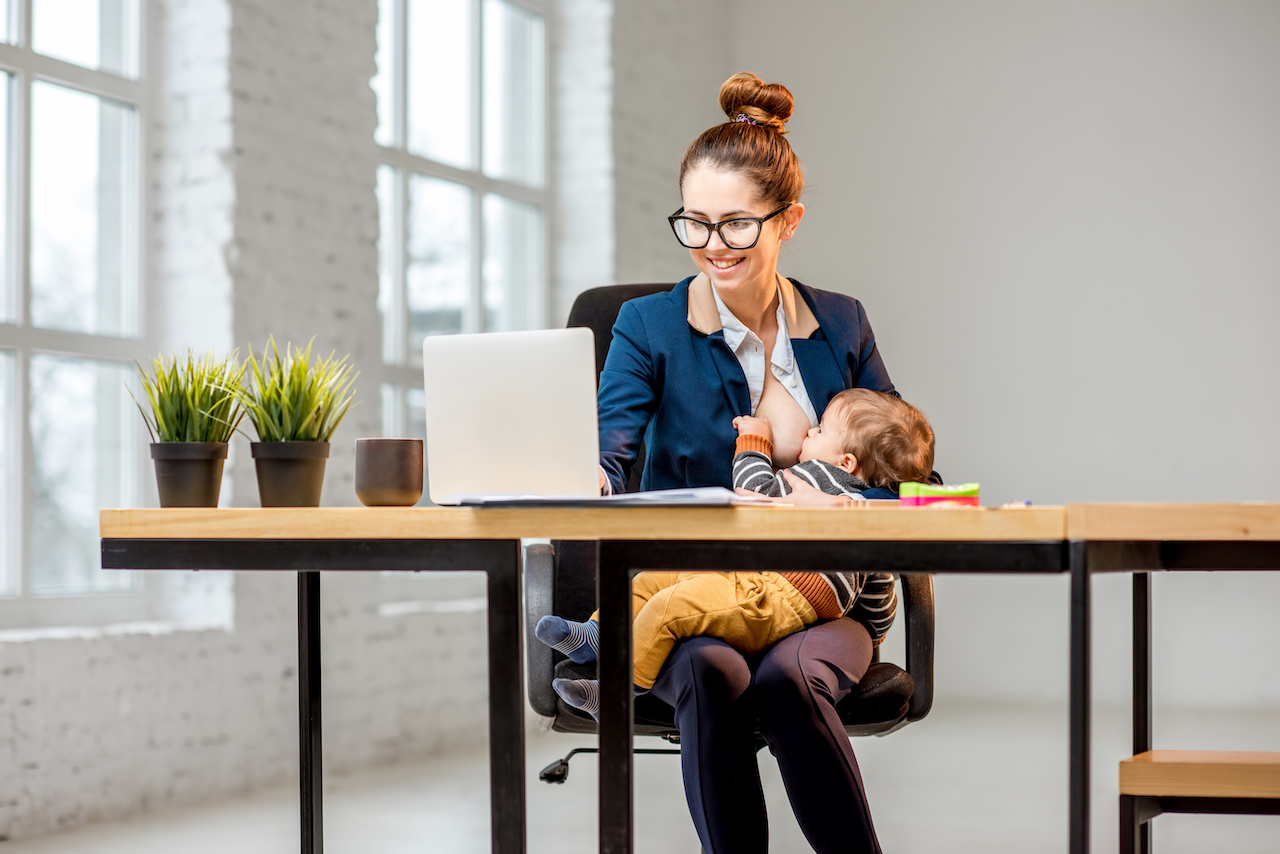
{"x": 826, "y": 441}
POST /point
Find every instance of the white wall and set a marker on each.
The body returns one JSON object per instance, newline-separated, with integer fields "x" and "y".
{"x": 582, "y": 227}
{"x": 1062, "y": 218}
{"x": 669, "y": 58}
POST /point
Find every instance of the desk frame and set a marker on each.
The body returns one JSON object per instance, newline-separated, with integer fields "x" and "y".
{"x": 500, "y": 560}
{"x": 1143, "y": 557}
{"x": 632, "y": 539}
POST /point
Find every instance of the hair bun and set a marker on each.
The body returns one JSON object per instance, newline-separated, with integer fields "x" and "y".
{"x": 765, "y": 104}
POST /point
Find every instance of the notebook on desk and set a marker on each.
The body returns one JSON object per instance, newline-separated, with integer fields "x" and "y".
{"x": 511, "y": 416}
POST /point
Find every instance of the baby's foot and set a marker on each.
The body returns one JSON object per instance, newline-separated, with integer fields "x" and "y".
{"x": 579, "y": 641}
{"x": 580, "y": 693}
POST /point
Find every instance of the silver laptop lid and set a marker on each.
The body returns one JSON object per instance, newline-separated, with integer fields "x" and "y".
{"x": 511, "y": 414}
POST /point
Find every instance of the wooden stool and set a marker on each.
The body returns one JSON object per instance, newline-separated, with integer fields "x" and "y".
{"x": 1194, "y": 781}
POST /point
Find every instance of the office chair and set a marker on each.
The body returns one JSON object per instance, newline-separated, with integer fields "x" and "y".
{"x": 560, "y": 579}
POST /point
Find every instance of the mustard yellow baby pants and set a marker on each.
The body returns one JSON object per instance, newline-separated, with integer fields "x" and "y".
{"x": 748, "y": 610}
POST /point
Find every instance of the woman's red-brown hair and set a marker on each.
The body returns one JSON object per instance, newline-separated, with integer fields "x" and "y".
{"x": 751, "y": 141}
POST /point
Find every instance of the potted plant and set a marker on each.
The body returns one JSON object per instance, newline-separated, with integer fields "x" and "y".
{"x": 295, "y": 403}
{"x": 194, "y": 409}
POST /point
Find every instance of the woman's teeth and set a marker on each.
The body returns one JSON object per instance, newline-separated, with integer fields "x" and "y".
{"x": 724, "y": 265}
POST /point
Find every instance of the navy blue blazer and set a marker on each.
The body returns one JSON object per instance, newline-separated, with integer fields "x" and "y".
{"x": 671, "y": 380}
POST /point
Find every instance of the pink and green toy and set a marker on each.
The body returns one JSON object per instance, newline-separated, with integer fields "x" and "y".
{"x": 919, "y": 494}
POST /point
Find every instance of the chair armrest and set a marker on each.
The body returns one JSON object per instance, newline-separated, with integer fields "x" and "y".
{"x": 917, "y": 600}
{"x": 539, "y": 573}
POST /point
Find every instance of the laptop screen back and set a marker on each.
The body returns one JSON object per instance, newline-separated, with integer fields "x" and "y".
{"x": 511, "y": 413}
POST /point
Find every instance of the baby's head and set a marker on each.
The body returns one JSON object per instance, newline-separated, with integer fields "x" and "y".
{"x": 880, "y": 438}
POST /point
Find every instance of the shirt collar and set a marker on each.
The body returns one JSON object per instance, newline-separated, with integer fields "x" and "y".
{"x": 705, "y": 313}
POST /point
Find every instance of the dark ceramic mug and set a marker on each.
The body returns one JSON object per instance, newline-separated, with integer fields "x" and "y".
{"x": 388, "y": 472}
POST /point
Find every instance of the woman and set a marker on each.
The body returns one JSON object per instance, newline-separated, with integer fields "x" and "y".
{"x": 738, "y": 339}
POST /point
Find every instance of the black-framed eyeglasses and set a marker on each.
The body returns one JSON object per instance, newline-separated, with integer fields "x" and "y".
{"x": 741, "y": 232}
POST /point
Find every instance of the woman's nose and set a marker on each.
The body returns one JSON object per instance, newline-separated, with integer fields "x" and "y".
{"x": 716, "y": 241}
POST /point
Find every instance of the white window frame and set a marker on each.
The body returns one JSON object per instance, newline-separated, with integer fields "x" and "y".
{"x": 400, "y": 376}
{"x": 23, "y": 340}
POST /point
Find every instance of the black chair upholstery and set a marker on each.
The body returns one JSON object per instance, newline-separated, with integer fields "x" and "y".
{"x": 560, "y": 579}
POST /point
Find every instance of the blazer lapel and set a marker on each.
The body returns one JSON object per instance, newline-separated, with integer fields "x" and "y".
{"x": 824, "y": 376}
{"x": 732, "y": 378}
{"x": 820, "y": 370}
{"x": 715, "y": 357}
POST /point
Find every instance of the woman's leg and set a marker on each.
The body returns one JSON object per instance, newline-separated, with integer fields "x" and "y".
{"x": 796, "y": 689}
{"x": 706, "y": 680}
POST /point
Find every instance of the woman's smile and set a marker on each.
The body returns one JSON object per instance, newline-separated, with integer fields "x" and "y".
{"x": 724, "y": 264}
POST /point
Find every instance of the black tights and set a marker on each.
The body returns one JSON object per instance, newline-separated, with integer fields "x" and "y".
{"x": 791, "y": 695}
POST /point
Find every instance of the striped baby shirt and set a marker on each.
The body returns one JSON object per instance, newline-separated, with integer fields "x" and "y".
{"x": 868, "y": 597}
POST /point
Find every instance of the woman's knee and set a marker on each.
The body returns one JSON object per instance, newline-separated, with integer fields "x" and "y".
{"x": 706, "y": 667}
{"x": 824, "y": 661}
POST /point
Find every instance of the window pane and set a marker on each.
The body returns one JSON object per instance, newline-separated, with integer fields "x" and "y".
{"x": 8, "y": 22}
{"x": 437, "y": 281}
{"x": 440, "y": 95}
{"x": 99, "y": 34}
{"x": 8, "y": 293}
{"x": 389, "y": 259}
{"x": 383, "y": 81}
{"x": 512, "y": 262}
{"x": 83, "y": 212}
{"x": 86, "y": 437}
{"x": 8, "y": 478}
{"x": 513, "y": 93}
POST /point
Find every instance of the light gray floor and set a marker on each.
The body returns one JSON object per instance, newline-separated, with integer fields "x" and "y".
{"x": 967, "y": 779}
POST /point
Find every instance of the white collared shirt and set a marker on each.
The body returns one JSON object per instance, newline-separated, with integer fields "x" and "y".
{"x": 749, "y": 349}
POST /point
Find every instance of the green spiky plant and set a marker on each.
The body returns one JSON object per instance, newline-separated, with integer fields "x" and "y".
{"x": 193, "y": 401}
{"x": 297, "y": 398}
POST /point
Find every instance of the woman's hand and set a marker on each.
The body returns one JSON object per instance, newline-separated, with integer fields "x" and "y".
{"x": 750, "y": 424}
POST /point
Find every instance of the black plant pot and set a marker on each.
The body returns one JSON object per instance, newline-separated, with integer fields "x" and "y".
{"x": 290, "y": 474}
{"x": 189, "y": 474}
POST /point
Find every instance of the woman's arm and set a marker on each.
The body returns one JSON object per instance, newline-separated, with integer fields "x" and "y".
{"x": 627, "y": 397}
{"x": 868, "y": 368}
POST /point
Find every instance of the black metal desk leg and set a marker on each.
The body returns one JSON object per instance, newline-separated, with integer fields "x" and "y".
{"x": 506, "y": 706}
{"x": 1080, "y": 698}
{"x": 309, "y": 712}
{"x": 617, "y": 698}
{"x": 1142, "y": 726}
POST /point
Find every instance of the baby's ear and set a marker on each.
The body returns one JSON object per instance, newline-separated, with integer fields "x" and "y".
{"x": 849, "y": 463}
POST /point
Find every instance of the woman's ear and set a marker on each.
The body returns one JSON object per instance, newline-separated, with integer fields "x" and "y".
{"x": 791, "y": 220}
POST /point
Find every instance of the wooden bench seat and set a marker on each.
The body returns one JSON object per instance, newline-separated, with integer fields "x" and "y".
{"x": 1201, "y": 774}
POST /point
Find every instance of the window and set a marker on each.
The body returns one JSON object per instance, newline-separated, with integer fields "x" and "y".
{"x": 71, "y": 318}
{"x": 462, "y": 194}
{"x": 461, "y": 88}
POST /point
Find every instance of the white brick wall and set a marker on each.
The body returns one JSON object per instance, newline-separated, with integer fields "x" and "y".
{"x": 264, "y": 221}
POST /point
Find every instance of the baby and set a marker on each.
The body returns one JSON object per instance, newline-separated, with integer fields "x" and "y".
{"x": 865, "y": 445}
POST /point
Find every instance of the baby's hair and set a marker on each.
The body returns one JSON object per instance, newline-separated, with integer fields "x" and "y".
{"x": 751, "y": 141}
{"x": 891, "y": 438}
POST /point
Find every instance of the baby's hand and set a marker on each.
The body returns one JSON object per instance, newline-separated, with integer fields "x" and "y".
{"x": 745, "y": 424}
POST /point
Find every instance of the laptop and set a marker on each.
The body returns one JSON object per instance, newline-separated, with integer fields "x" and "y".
{"x": 511, "y": 416}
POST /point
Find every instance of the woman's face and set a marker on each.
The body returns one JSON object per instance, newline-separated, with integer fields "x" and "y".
{"x": 714, "y": 195}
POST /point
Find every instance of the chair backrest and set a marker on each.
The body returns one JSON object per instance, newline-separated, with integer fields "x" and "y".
{"x": 597, "y": 309}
